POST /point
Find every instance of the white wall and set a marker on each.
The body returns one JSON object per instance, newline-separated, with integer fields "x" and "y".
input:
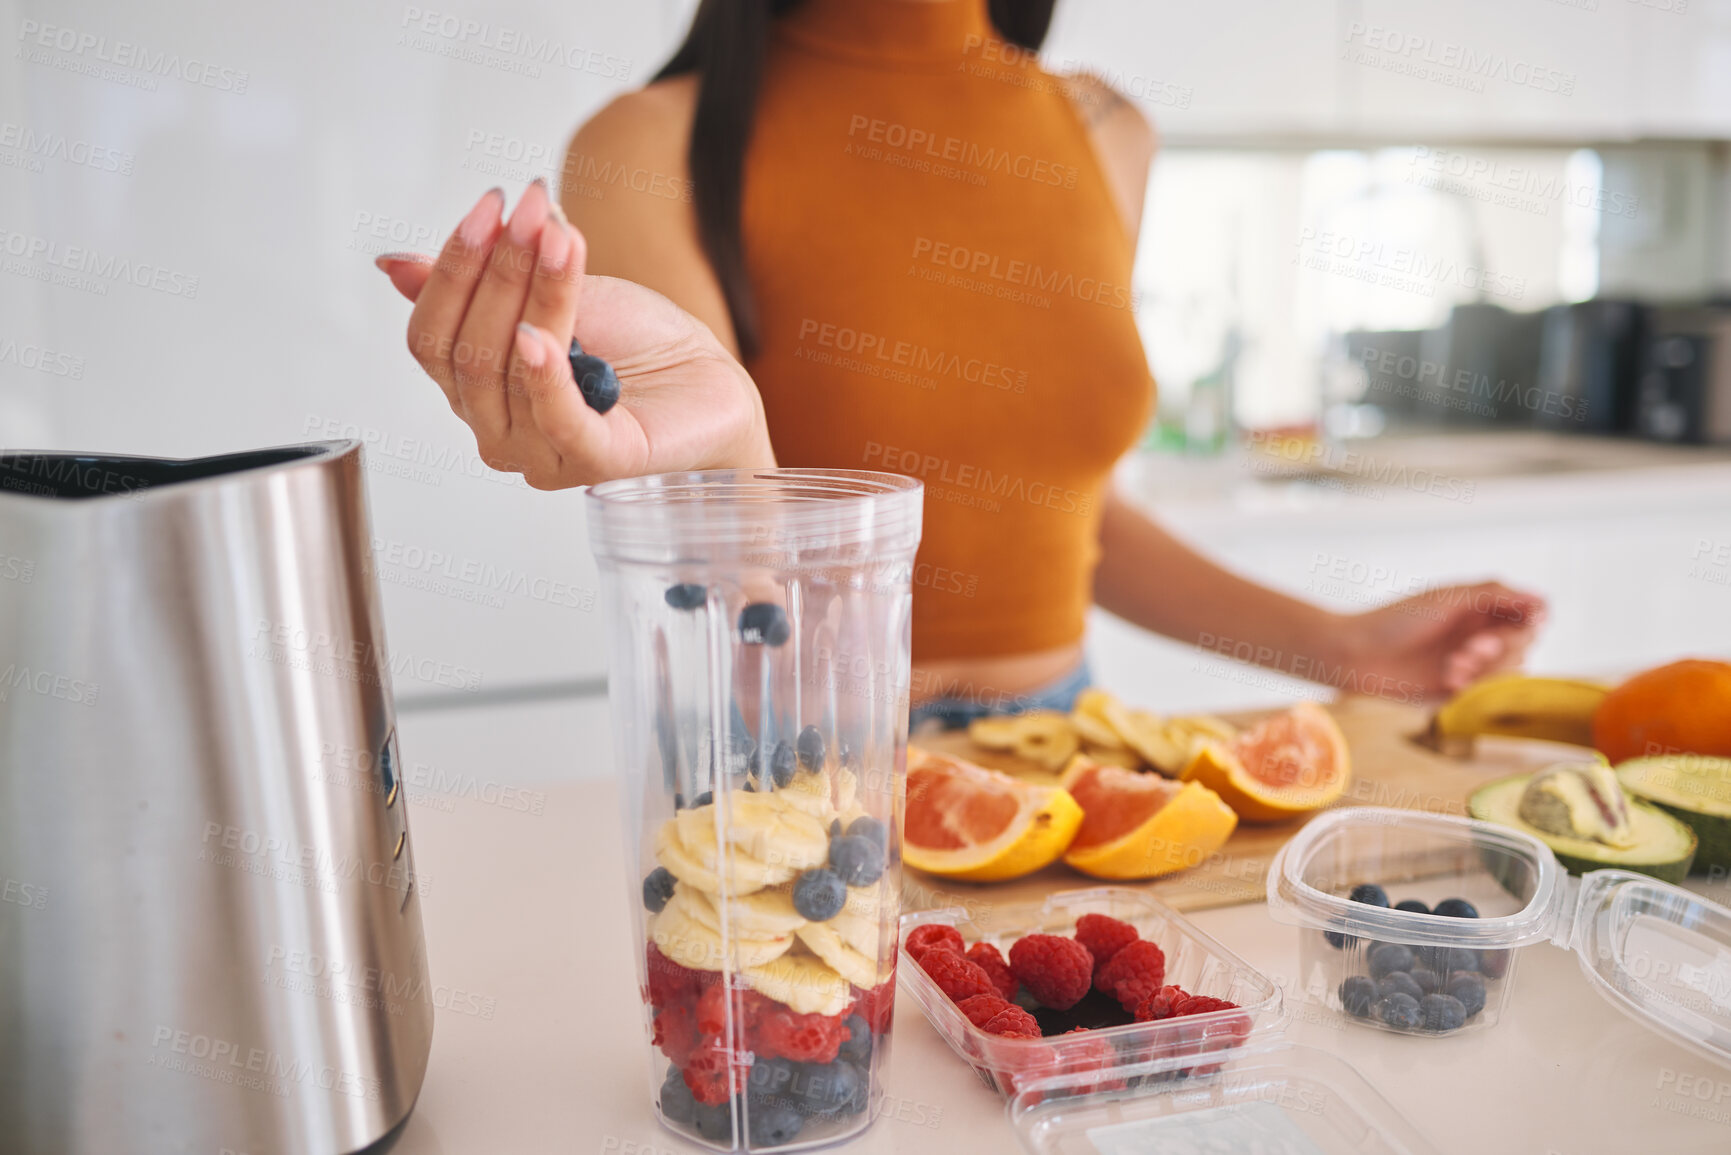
{"x": 353, "y": 135}
{"x": 329, "y": 132}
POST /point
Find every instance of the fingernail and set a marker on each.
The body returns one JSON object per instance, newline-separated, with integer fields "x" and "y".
{"x": 481, "y": 218}
{"x": 558, "y": 211}
{"x": 385, "y": 259}
{"x": 530, "y": 347}
{"x": 555, "y": 250}
{"x": 530, "y": 215}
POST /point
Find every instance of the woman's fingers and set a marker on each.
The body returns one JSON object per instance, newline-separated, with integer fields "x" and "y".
{"x": 444, "y": 296}
{"x": 551, "y": 308}
{"x": 568, "y": 434}
{"x": 483, "y": 350}
{"x": 408, "y": 272}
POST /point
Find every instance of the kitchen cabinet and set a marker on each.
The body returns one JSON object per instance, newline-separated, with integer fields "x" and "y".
{"x": 1264, "y": 71}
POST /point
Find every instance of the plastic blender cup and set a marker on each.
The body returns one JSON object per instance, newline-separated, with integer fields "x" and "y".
{"x": 759, "y": 676}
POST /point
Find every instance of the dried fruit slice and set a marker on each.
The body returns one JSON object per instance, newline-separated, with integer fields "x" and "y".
{"x": 1146, "y": 734}
{"x": 964, "y": 821}
{"x": 1290, "y": 764}
{"x": 1045, "y": 736}
{"x": 1142, "y": 825}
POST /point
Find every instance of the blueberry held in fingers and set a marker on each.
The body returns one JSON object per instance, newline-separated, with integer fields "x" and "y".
{"x": 595, "y": 377}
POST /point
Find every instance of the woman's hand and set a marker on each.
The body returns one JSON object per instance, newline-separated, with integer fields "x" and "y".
{"x": 1436, "y": 642}
{"x": 493, "y": 321}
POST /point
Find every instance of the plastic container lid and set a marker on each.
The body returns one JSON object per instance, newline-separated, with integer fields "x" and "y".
{"x": 1268, "y": 1097}
{"x": 1655, "y": 951}
{"x": 1526, "y": 867}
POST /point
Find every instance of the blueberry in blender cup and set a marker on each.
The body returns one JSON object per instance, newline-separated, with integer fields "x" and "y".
{"x": 766, "y": 904}
{"x": 685, "y": 596}
{"x": 810, "y": 748}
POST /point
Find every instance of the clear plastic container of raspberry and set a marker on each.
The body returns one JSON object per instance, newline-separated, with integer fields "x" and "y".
{"x": 1094, "y": 1060}
{"x": 759, "y": 671}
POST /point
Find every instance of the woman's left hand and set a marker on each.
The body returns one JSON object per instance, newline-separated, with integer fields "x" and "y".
{"x": 1436, "y": 642}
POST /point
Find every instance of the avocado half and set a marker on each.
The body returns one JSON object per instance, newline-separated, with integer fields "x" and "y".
{"x": 1693, "y": 787}
{"x": 1664, "y": 846}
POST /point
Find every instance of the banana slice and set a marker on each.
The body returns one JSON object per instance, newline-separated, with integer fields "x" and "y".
{"x": 1207, "y": 726}
{"x": 764, "y": 914}
{"x": 1113, "y": 756}
{"x": 748, "y": 872}
{"x": 1145, "y": 733}
{"x": 859, "y": 969}
{"x": 859, "y": 929}
{"x": 765, "y": 827}
{"x": 804, "y": 983}
{"x": 697, "y": 869}
{"x": 994, "y": 733}
{"x": 1094, "y": 731}
{"x": 689, "y": 943}
{"x": 824, "y": 796}
{"x": 1047, "y": 738}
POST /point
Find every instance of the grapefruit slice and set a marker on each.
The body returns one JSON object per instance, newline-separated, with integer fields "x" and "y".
{"x": 967, "y": 822}
{"x": 1288, "y": 765}
{"x": 1142, "y": 825}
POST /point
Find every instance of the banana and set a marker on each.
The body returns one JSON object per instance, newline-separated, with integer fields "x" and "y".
{"x": 824, "y": 795}
{"x": 1205, "y": 726}
{"x": 859, "y": 923}
{"x": 687, "y": 847}
{"x": 804, "y": 983}
{"x": 764, "y": 914}
{"x": 1518, "y": 706}
{"x": 671, "y": 853}
{"x": 1092, "y": 730}
{"x": 684, "y": 939}
{"x": 1104, "y": 729}
{"x": 1045, "y": 736}
{"x": 1113, "y": 756}
{"x": 768, "y": 842}
{"x": 994, "y": 733}
{"x": 1146, "y": 734}
{"x": 859, "y": 969}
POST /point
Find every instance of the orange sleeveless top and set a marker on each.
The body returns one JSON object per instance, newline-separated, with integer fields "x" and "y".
{"x": 943, "y": 290}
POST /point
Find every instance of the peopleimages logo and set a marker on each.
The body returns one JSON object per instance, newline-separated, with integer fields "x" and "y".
{"x": 125, "y": 54}
{"x": 1447, "y": 62}
{"x": 928, "y": 144}
{"x": 83, "y": 261}
{"x": 41, "y": 146}
{"x": 512, "y": 43}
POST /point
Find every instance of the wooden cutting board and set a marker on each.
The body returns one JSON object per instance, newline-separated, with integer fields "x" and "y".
{"x": 1388, "y": 769}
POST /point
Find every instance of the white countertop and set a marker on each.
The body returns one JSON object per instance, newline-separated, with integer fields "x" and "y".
{"x": 539, "y": 1045}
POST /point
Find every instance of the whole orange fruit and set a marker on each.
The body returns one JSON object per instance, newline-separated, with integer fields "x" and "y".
{"x": 1684, "y": 707}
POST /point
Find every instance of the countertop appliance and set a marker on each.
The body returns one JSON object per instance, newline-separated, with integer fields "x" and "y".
{"x": 1683, "y": 392}
{"x": 210, "y": 938}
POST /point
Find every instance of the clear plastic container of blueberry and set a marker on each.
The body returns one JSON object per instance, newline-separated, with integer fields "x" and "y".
{"x": 1413, "y": 923}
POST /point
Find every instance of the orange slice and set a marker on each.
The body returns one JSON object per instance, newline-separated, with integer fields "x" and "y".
{"x": 1289, "y": 765}
{"x": 964, "y": 821}
{"x": 1142, "y": 825}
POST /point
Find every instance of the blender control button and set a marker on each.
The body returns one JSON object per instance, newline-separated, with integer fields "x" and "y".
{"x": 391, "y": 798}
{"x": 402, "y": 841}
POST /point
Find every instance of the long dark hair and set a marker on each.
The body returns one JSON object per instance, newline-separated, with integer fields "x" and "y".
{"x": 725, "y": 48}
